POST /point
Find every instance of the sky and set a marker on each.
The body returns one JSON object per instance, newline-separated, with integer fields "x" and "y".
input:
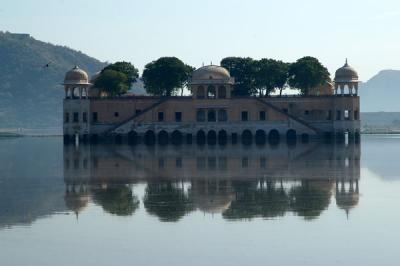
{"x": 364, "y": 31}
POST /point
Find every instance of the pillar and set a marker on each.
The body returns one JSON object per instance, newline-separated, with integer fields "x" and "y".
{"x": 342, "y": 89}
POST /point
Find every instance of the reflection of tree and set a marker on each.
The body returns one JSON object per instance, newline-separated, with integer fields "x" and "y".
{"x": 310, "y": 199}
{"x": 267, "y": 201}
{"x": 117, "y": 200}
{"x": 167, "y": 201}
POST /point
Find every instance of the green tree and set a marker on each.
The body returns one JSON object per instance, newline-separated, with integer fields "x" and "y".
{"x": 270, "y": 75}
{"x": 243, "y": 70}
{"x": 307, "y": 73}
{"x": 112, "y": 82}
{"x": 165, "y": 76}
{"x": 126, "y": 68}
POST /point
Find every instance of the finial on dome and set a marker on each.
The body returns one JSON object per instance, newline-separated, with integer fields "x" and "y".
{"x": 346, "y": 64}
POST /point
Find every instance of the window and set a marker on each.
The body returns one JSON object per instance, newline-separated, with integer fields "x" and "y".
{"x": 160, "y": 116}
{"x": 285, "y": 110}
{"x": 211, "y": 116}
{"x": 178, "y": 116}
{"x": 245, "y": 116}
{"x": 211, "y": 93}
{"x": 346, "y": 115}
{"x": 94, "y": 117}
{"x": 222, "y": 116}
{"x": 245, "y": 162}
{"x": 263, "y": 162}
{"x": 306, "y": 112}
{"x": 221, "y": 92}
{"x": 161, "y": 163}
{"x": 262, "y": 116}
{"x": 200, "y": 92}
{"x": 201, "y": 116}
{"x": 84, "y": 117}
{"x": 338, "y": 115}
{"x": 76, "y": 117}
{"x": 66, "y": 118}
{"x": 356, "y": 115}
{"x": 116, "y": 114}
{"x": 137, "y": 111}
{"x": 212, "y": 163}
{"x": 329, "y": 115}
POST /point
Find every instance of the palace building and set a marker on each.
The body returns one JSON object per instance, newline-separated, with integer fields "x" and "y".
{"x": 211, "y": 113}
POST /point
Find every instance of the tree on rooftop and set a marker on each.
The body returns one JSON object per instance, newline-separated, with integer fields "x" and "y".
{"x": 165, "y": 76}
{"x": 307, "y": 73}
{"x": 270, "y": 75}
{"x": 126, "y": 68}
{"x": 243, "y": 70}
{"x": 112, "y": 82}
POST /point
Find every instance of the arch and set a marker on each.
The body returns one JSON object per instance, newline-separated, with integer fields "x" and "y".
{"x": 273, "y": 136}
{"x": 162, "y": 137}
{"x": 149, "y": 137}
{"x": 222, "y": 137}
{"x": 291, "y": 135}
{"x": 212, "y": 137}
{"x": 221, "y": 92}
{"x": 261, "y": 137}
{"x": 247, "y": 137}
{"x": 211, "y": 116}
{"x": 211, "y": 92}
{"x": 94, "y": 138}
{"x": 132, "y": 137}
{"x": 201, "y": 137}
{"x": 201, "y": 92}
{"x": 177, "y": 137}
{"x": 67, "y": 138}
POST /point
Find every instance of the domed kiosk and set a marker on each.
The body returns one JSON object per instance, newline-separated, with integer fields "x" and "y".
{"x": 76, "y": 83}
{"x": 346, "y": 76}
{"x": 211, "y": 82}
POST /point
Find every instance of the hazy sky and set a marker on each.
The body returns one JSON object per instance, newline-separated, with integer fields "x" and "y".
{"x": 365, "y": 31}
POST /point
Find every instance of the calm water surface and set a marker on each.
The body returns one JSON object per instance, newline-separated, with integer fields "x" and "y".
{"x": 304, "y": 204}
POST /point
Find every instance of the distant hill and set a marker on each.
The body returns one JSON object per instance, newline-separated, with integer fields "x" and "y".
{"x": 30, "y": 94}
{"x": 381, "y": 92}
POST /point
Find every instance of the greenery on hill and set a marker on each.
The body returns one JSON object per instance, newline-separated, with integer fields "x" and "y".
{"x": 30, "y": 92}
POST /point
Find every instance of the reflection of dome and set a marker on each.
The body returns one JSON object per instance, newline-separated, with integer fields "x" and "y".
{"x": 347, "y": 201}
{"x": 76, "y": 201}
{"x": 213, "y": 203}
{"x": 346, "y": 74}
{"x": 76, "y": 76}
{"x": 210, "y": 72}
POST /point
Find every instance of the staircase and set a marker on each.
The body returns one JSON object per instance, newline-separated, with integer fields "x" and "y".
{"x": 295, "y": 118}
{"x": 133, "y": 117}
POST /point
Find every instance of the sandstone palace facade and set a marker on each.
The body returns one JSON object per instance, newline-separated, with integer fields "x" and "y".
{"x": 211, "y": 114}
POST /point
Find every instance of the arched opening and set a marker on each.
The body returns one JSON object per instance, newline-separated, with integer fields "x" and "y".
{"x": 176, "y": 137}
{"x": 211, "y": 117}
{"x": 200, "y": 92}
{"x": 273, "y": 136}
{"x": 211, "y": 137}
{"x": 132, "y": 138}
{"x": 221, "y": 92}
{"x": 85, "y": 138}
{"x": 261, "y": 137}
{"x": 118, "y": 139}
{"x": 211, "y": 92}
{"x": 149, "y": 137}
{"x": 162, "y": 137}
{"x": 291, "y": 135}
{"x": 67, "y": 138}
{"x": 305, "y": 138}
{"x": 222, "y": 137}
{"x": 201, "y": 137}
{"x": 247, "y": 137}
{"x": 94, "y": 138}
{"x": 357, "y": 136}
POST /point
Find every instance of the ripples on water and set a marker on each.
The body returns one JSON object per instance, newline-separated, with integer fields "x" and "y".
{"x": 234, "y": 199}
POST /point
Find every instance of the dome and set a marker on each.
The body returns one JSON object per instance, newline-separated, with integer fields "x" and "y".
{"x": 211, "y": 72}
{"x": 76, "y": 76}
{"x": 346, "y": 74}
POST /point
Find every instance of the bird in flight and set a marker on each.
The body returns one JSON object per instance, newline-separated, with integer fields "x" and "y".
{"x": 47, "y": 65}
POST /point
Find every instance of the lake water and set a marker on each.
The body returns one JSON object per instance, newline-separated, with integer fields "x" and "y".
{"x": 303, "y": 204}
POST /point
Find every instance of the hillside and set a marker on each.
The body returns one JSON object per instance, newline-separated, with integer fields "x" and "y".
{"x": 31, "y": 94}
{"x": 381, "y": 92}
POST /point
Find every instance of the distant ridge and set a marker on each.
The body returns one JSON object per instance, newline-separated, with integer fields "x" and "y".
{"x": 30, "y": 93}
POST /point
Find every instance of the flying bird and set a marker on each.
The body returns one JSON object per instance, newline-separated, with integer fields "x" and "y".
{"x": 47, "y": 65}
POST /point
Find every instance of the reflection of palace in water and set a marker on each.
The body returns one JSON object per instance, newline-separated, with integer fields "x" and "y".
{"x": 236, "y": 181}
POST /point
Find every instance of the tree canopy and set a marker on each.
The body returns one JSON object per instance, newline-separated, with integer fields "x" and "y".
{"x": 269, "y": 75}
{"x": 126, "y": 68}
{"x": 307, "y": 73}
{"x": 165, "y": 76}
{"x": 112, "y": 82}
{"x": 243, "y": 69}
